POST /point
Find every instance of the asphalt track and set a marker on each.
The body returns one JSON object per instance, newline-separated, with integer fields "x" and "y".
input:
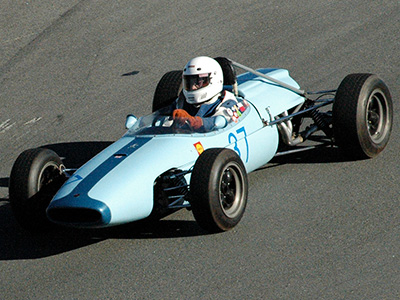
{"x": 317, "y": 226}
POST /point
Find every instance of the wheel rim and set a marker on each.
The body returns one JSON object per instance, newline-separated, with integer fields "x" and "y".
{"x": 47, "y": 174}
{"x": 377, "y": 116}
{"x": 231, "y": 191}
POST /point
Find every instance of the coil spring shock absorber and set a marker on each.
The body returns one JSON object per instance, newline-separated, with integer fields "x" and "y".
{"x": 321, "y": 120}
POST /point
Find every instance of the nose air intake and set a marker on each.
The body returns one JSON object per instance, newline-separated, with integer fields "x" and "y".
{"x": 75, "y": 215}
{"x": 83, "y": 213}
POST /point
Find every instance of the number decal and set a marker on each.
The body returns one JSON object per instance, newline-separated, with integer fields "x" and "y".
{"x": 242, "y": 130}
{"x": 232, "y": 138}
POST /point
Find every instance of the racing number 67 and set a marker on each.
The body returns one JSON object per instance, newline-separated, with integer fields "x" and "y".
{"x": 232, "y": 138}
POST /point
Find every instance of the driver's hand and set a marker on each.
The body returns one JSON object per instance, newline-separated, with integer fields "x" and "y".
{"x": 180, "y": 113}
{"x": 182, "y": 116}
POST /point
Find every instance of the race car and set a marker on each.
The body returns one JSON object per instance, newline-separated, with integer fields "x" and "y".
{"x": 159, "y": 165}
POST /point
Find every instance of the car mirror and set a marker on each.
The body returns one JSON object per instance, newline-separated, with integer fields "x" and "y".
{"x": 130, "y": 121}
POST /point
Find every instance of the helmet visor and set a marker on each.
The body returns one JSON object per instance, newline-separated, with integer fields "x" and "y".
{"x": 195, "y": 82}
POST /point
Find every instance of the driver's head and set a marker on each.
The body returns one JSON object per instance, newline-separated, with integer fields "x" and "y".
{"x": 202, "y": 79}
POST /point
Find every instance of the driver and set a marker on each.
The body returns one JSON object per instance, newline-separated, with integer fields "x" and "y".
{"x": 204, "y": 96}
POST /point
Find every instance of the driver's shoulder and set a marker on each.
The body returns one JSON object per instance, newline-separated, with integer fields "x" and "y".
{"x": 228, "y": 99}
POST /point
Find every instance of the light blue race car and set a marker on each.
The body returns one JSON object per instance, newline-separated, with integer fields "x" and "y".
{"x": 160, "y": 166}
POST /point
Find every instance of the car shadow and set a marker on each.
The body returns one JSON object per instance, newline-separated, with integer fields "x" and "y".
{"x": 317, "y": 155}
{"x": 17, "y": 244}
{"x": 75, "y": 154}
{"x": 4, "y": 183}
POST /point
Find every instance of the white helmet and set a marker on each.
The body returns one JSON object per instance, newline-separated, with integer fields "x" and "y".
{"x": 202, "y": 79}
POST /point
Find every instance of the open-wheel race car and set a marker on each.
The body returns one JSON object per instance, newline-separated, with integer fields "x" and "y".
{"x": 159, "y": 166}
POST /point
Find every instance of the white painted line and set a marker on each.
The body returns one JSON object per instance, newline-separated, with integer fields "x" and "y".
{"x": 6, "y": 125}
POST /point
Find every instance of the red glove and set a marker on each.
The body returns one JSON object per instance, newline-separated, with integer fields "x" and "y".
{"x": 183, "y": 116}
{"x": 180, "y": 113}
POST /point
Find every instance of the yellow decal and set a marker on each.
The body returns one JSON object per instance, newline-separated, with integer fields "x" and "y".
{"x": 199, "y": 147}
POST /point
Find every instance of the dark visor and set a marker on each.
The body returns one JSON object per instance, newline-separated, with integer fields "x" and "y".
{"x": 195, "y": 82}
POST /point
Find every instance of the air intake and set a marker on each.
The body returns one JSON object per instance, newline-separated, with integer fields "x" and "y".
{"x": 75, "y": 216}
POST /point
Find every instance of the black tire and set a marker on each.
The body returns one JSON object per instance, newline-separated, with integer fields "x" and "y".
{"x": 35, "y": 178}
{"x": 362, "y": 115}
{"x": 228, "y": 71}
{"x": 218, "y": 188}
{"x": 167, "y": 90}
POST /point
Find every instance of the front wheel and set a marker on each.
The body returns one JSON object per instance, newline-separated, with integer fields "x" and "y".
{"x": 362, "y": 115}
{"x": 35, "y": 178}
{"x": 218, "y": 188}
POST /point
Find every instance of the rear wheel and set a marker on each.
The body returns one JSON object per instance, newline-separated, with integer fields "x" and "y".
{"x": 362, "y": 115}
{"x": 35, "y": 178}
{"x": 167, "y": 90}
{"x": 218, "y": 189}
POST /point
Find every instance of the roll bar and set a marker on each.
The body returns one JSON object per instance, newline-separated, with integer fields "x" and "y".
{"x": 283, "y": 84}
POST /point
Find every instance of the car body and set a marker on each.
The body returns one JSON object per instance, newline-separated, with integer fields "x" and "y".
{"x": 148, "y": 171}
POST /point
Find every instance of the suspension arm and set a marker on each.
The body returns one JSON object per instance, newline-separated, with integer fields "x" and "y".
{"x": 325, "y": 103}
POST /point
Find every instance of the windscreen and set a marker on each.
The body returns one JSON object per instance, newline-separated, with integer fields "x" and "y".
{"x": 161, "y": 122}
